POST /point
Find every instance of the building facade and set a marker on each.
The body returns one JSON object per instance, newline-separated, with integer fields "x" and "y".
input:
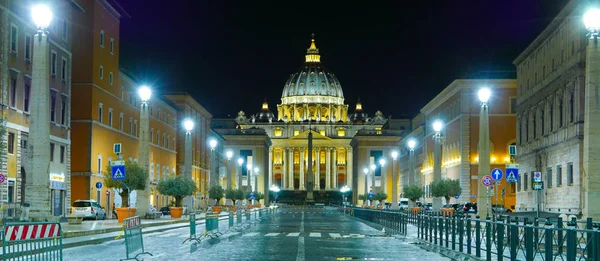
{"x": 550, "y": 114}
{"x": 16, "y": 58}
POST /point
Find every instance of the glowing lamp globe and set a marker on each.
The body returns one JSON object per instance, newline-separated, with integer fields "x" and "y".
{"x": 412, "y": 143}
{"x": 437, "y": 126}
{"x": 591, "y": 19}
{"x": 229, "y": 154}
{"x": 373, "y": 167}
{"x": 256, "y": 170}
{"x": 484, "y": 94}
{"x": 42, "y": 16}
{"x": 382, "y": 162}
{"x": 188, "y": 125}
{"x": 366, "y": 171}
{"x": 394, "y": 155}
{"x": 240, "y": 161}
{"x": 145, "y": 93}
{"x": 212, "y": 143}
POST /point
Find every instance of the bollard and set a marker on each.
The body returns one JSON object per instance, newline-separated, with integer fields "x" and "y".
{"x": 469, "y": 239}
{"x": 488, "y": 238}
{"x": 192, "y": 230}
{"x": 529, "y": 249}
{"x": 500, "y": 241}
{"x": 238, "y": 215}
{"x": 514, "y": 238}
{"x": 447, "y": 237}
{"x": 571, "y": 241}
{"x": 536, "y": 235}
{"x": 435, "y": 227}
{"x": 548, "y": 249}
{"x": 477, "y": 236}
{"x": 561, "y": 241}
{"x": 247, "y": 215}
{"x": 441, "y": 229}
{"x": 230, "y": 219}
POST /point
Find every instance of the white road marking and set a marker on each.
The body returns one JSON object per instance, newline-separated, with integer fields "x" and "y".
{"x": 293, "y": 234}
{"x": 315, "y": 235}
{"x": 271, "y": 234}
{"x": 251, "y": 234}
{"x": 334, "y": 235}
{"x": 301, "y": 256}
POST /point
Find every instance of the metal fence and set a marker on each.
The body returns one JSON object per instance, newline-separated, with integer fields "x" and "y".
{"x": 134, "y": 242}
{"x": 32, "y": 241}
{"x": 511, "y": 238}
{"x": 393, "y": 222}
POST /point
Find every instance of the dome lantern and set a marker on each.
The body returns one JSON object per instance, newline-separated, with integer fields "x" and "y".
{"x": 312, "y": 53}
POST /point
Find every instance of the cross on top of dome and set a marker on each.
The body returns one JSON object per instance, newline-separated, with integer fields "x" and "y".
{"x": 312, "y": 53}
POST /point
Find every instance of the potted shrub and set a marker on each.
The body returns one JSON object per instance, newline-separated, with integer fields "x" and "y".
{"x": 248, "y": 197}
{"x": 446, "y": 188}
{"x": 216, "y": 192}
{"x": 413, "y": 193}
{"x": 364, "y": 199}
{"x": 381, "y": 197}
{"x": 178, "y": 187}
{"x": 239, "y": 195}
{"x": 230, "y": 194}
{"x": 135, "y": 179}
{"x": 258, "y": 196}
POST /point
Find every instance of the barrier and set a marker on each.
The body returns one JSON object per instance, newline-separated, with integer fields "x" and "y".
{"x": 192, "y": 230}
{"x": 212, "y": 225}
{"x": 134, "y": 241}
{"x": 393, "y": 222}
{"x": 32, "y": 241}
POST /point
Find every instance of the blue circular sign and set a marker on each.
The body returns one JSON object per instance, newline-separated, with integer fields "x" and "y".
{"x": 456, "y": 197}
{"x": 98, "y": 185}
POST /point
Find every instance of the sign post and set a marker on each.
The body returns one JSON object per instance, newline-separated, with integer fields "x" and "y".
{"x": 2, "y": 179}
{"x": 487, "y": 181}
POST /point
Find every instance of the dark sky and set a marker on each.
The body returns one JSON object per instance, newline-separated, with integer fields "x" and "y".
{"x": 394, "y": 55}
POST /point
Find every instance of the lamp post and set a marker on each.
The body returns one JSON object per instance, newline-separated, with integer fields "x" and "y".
{"x": 484, "y": 152}
{"x": 248, "y": 174}
{"x": 383, "y": 175}
{"x": 213, "y": 174}
{"x": 275, "y": 190}
{"x": 591, "y": 137}
{"x": 229, "y": 155}
{"x": 240, "y": 162}
{"x": 412, "y": 179}
{"x": 394, "y": 181}
{"x": 143, "y": 197}
{"x": 37, "y": 190}
{"x": 366, "y": 172}
{"x": 255, "y": 182}
{"x": 344, "y": 189}
{"x": 437, "y": 159}
{"x": 188, "y": 125}
{"x": 373, "y": 167}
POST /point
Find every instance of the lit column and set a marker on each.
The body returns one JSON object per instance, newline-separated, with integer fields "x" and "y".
{"x": 240, "y": 162}
{"x": 143, "y": 196}
{"x": 302, "y": 187}
{"x": 437, "y": 160}
{"x": 270, "y": 181}
{"x": 394, "y": 181}
{"x": 37, "y": 191}
{"x": 366, "y": 189}
{"x": 318, "y": 169}
{"x": 213, "y": 176}
{"x": 372, "y": 185}
{"x": 291, "y": 168}
{"x": 248, "y": 176}
{"x": 483, "y": 208}
{"x": 284, "y": 166}
{"x": 255, "y": 182}
{"x": 229, "y": 155}
{"x": 349, "y": 168}
{"x": 187, "y": 160}
{"x": 335, "y": 168}
{"x": 328, "y": 169}
{"x": 411, "y": 162}
{"x": 591, "y": 135}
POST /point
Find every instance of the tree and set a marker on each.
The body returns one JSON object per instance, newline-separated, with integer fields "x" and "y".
{"x": 446, "y": 188}
{"x": 230, "y": 194}
{"x": 216, "y": 192}
{"x": 363, "y": 197}
{"x": 239, "y": 194}
{"x": 413, "y": 192}
{"x": 381, "y": 196}
{"x": 136, "y": 178}
{"x": 258, "y": 196}
{"x": 178, "y": 187}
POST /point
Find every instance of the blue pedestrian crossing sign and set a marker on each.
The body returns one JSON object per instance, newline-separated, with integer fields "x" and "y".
{"x": 512, "y": 174}
{"x": 118, "y": 170}
{"x": 497, "y": 174}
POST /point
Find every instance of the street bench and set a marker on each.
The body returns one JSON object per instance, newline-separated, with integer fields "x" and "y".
{"x": 153, "y": 215}
{"x": 75, "y": 219}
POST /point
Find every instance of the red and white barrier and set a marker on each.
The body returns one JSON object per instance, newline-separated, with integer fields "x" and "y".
{"x": 34, "y": 231}
{"x": 132, "y": 222}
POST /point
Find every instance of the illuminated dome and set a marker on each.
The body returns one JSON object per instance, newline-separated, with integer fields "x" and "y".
{"x": 265, "y": 115}
{"x": 312, "y": 83}
{"x": 359, "y": 116}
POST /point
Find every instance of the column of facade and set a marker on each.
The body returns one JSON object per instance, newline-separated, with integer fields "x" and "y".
{"x": 284, "y": 167}
{"x": 301, "y": 162}
{"x": 383, "y": 177}
{"x": 328, "y": 169}
{"x": 270, "y": 168}
{"x": 318, "y": 168}
{"x": 349, "y": 168}
{"x": 290, "y": 166}
{"x": 335, "y": 168}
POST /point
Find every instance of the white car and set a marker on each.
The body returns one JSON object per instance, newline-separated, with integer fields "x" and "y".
{"x": 88, "y": 209}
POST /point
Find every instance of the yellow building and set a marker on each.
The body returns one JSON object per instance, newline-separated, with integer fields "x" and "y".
{"x": 107, "y": 109}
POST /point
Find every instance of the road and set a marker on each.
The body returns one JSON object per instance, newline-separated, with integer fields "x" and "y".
{"x": 293, "y": 234}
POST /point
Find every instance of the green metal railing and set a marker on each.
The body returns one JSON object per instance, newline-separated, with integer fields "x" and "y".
{"x": 134, "y": 240}
{"x": 32, "y": 241}
{"x": 393, "y": 222}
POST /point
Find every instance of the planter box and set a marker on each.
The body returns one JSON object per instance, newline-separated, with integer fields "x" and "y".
{"x": 176, "y": 212}
{"x": 123, "y": 213}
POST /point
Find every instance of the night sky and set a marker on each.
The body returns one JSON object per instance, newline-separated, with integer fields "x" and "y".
{"x": 394, "y": 55}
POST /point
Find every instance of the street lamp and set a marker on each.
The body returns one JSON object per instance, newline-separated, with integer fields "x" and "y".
{"x": 437, "y": 159}
{"x": 412, "y": 143}
{"x": 344, "y": 189}
{"x": 383, "y": 175}
{"x": 188, "y": 124}
{"x": 213, "y": 175}
{"x": 255, "y": 183}
{"x": 591, "y": 20}
{"x": 39, "y": 128}
{"x": 366, "y": 172}
{"x": 394, "y": 181}
{"x": 275, "y": 190}
{"x": 248, "y": 174}
{"x": 484, "y": 152}
{"x": 240, "y": 162}
{"x": 145, "y": 93}
{"x": 212, "y": 143}
{"x": 228, "y": 155}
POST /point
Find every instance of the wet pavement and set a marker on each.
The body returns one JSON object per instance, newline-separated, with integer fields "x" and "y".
{"x": 292, "y": 234}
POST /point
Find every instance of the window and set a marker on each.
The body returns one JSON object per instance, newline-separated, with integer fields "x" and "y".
{"x": 63, "y": 72}
{"x": 341, "y": 132}
{"x": 63, "y": 110}
{"x": 560, "y": 112}
{"x": 52, "y": 106}
{"x": 100, "y": 112}
{"x": 152, "y": 135}
{"x": 110, "y": 112}
{"x": 27, "y": 94}
{"x": 102, "y": 38}
{"x": 11, "y": 143}
{"x": 13, "y": 92}
{"x": 27, "y": 48}
{"x": 551, "y": 112}
{"x": 534, "y": 126}
{"x": 570, "y": 173}
{"x": 571, "y": 107}
{"x": 549, "y": 177}
{"x": 322, "y": 132}
{"x": 99, "y": 163}
{"x": 101, "y": 72}
{"x": 110, "y": 78}
{"x": 62, "y": 154}
{"x": 64, "y": 29}
{"x": 51, "y": 152}
{"x": 53, "y": 65}
{"x": 158, "y": 113}
{"x": 121, "y": 121}
{"x": 135, "y": 129}
{"x": 296, "y": 132}
{"x": 277, "y": 132}
{"x": 158, "y": 138}
{"x": 542, "y": 121}
{"x": 513, "y": 105}
{"x": 558, "y": 175}
{"x": 130, "y": 126}
{"x": 519, "y": 184}
{"x": 112, "y": 45}
{"x": 14, "y": 36}
{"x": 525, "y": 182}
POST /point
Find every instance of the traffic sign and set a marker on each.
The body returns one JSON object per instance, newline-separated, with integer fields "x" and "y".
{"x": 512, "y": 174}
{"x": 537, "y": 177}
{"x": 538, "y": 185}
{"x": 497, "y": 174}
{"x": 118, "y": 172}
{"x": 456, "y": 197}
{"x": 487, "y": 180}
{"x": 2, "y": 178}
{"x": 98, "y": 185}
{"x": 512, "y": 150}
{"x": 108, "y": 192}
{"x": 117, "y": 163}
{"x": 117, "y": 148}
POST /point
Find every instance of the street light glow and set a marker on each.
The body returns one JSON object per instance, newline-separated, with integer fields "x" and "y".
{"x": 42, "y": 16}
{"x": 366, "y": 171}
{"x": 373, "y": 167}
{"x": 274, "y": 188}
{"x": 212, "y": 143}
{"x": 437, "y": 125}
{"x": 394, "y": 155}
{"x": 256, "y": 170}
{"x": 240, "y": 161}
{"x": 382, "y": 162}
{"x": 249, "y": 166}
{"x": 412, "y": 143}
{"x": 484, "y": 94}
{"x": 591, "y": 19}
{"x": 188, "y": 125}
{"x": 145, "y": 93}
{"x": 229, "y": 154}
{"x": 344, "y": 189}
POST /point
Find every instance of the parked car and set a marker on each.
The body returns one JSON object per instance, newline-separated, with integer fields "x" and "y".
{"x": 165, "y": 211}
{"x": 497, "y": 208}
{"x": 470, "y": 207}
{"x": 89, "y": 209}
